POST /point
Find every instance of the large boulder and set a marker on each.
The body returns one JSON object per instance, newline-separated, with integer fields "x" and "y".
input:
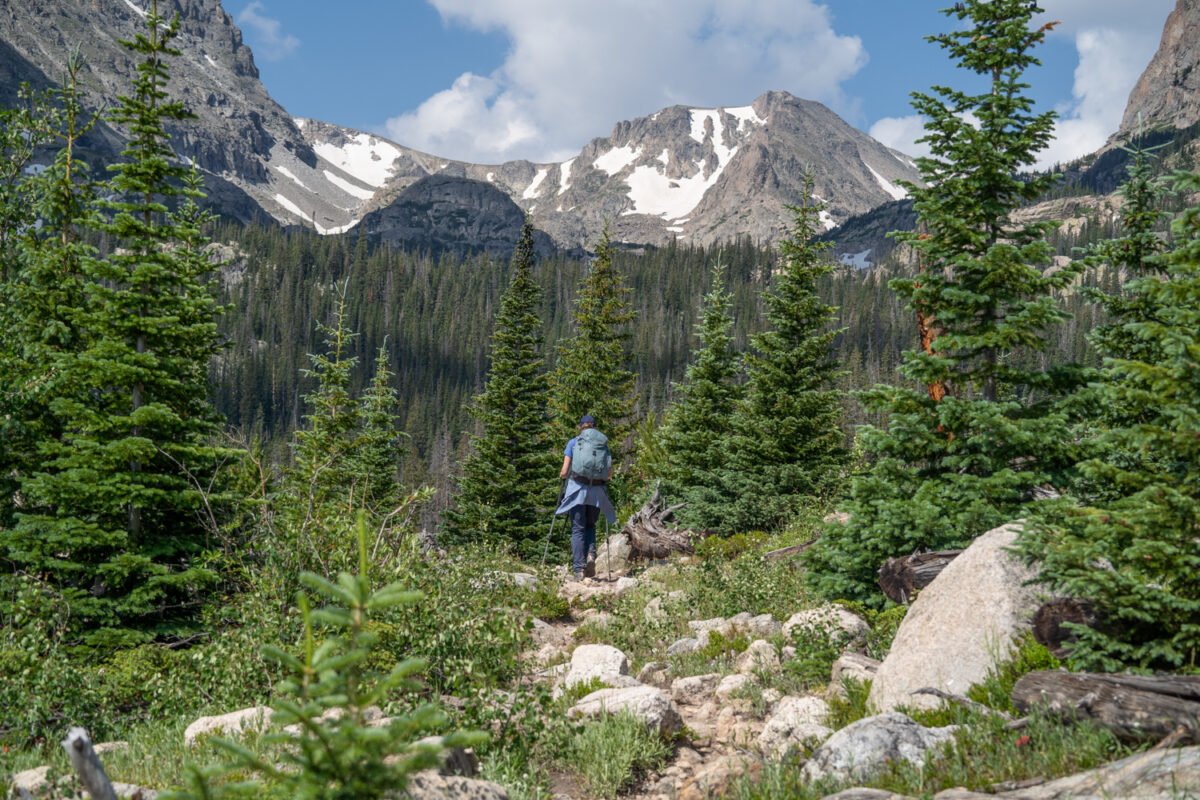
{"x": 596, "y": 662}
{"x": 796, "y": 720}
{"x": 257, "y": 718}
{"x": 613, "y": 554}
{"x": 865, "y": 747}
{"x": 35, "y": 781}
{"x": 652, "y": 706}
{"x": 959, "y": 625}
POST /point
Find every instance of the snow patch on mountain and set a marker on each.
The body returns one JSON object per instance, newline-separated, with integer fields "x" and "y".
{"x": 531, "y": 191}
{"x": 857, "y": 260}
{"x": 827, "y": 220}
{"x": 616, "y": 159}
{"x": 210, "y": 59}
{"x": 348, "y": 187}
{"x": 363, "y": 157}
{"x": 321, "y": 229}
{"x": 287, "y": 173}
{"x": 698, "y": 116}
{"x": 652, "y": 192}
{"x": 136, "y": 8}
{"x": 491, "y": 177}
{"x": 895, "y": 191}
{"x": 564, "y": 175}
{"x": 745, "y": 114}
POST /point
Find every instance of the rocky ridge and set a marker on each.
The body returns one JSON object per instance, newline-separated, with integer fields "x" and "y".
{"x": 1168, "y": 92}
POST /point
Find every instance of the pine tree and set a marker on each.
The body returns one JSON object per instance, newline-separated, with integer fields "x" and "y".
{"x": 591, "y": 375}
{"x": 122, "y": 481}
{"x": 697, "y": 423}
{"x": 785, "y": 446}
{"x": 508, "y": 478}
{"x": 963, "y": 455}
{"x": 1126, "y": 544}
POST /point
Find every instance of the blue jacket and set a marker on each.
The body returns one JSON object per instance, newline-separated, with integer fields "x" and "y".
{"x": 577, "y": 494}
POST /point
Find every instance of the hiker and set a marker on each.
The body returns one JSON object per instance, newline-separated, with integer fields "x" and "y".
{"x": 588, "y": 464}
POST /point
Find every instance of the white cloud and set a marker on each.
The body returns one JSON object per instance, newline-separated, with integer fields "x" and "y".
{"x": 576, "y": 66}
{"x": 901, "y": 133}
{"x": 266, "y": 34}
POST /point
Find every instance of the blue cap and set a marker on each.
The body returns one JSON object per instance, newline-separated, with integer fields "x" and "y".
{"x": 587, "y": 418}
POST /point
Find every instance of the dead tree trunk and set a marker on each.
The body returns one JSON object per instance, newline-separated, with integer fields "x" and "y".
{"x": 901, "y": 578}
{"x": 651, "y": 533}
{"x": 1049, "y": 628}
{"x": 1131, "y": 706}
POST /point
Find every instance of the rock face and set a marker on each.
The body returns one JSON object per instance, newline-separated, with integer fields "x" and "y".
{"x": 429, "y": 785}
{"x": 444, "y": 213}
{"x": 1168, "y": 93}
{"x": 829, "y": 620}
{"x": 652, "y": 706}
{"x": 959, "y": 625}
{"x": 864, "y": 747}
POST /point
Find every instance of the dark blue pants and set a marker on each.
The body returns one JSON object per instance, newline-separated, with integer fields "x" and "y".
{"x": 583, "y": 534}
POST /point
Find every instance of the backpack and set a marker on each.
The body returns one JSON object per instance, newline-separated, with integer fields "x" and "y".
{"x": 590, "y": 460}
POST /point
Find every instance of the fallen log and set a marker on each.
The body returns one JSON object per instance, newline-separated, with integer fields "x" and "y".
{"x": 651, "y": 533}
{"x": 1131, "y": 706}
{"x": 901, "y": 578}
{"x": 788, "y": 552}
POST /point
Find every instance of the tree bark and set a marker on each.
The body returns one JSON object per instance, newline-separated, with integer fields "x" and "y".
{"x": 87, "y": 765}
{"x": 1131, "y": 706}
{"x": 901, "y": 578}
{"x": 1048, "y": 623}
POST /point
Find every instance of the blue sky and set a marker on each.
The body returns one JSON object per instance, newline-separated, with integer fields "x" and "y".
{"x": 491, "y": 80}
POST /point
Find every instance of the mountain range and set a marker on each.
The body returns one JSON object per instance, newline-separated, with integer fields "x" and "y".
{"x": 696, "y": 175}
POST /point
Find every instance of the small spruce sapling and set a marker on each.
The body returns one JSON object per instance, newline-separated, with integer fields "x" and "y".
{"x": 343, "y": 755}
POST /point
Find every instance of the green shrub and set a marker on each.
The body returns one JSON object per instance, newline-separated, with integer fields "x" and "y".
{"x": 884, "y": 625}
{"x": 612, "y": 753}
{"x": 577, "y": 691}
{"x": 818, "y": 645}
{"x": 727, "y": 548}
{"x": 1027, "y": 656}
{"x": 852, "y": 706}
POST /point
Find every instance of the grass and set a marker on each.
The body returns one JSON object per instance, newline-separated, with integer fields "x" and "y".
{"x": 614, "y": 752}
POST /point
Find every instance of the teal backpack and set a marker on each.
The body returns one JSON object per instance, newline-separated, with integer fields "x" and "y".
{"x": 590, "y": 460}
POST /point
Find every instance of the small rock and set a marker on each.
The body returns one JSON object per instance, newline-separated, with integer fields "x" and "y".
{"x": 683, "y": 646}
{"x": 695, "y": 689}
{"x": 647, "y": 703}
{"x": 840, "y": 517}
{"x": 257, "y": 718}
{"x": 524, "y": 580}
{"x": 547, "y": 653}
{"x": 830, "y": 620}
{"x": 764, "y": 626}
{"x": 853, "y": 665}
{"x": 726, "y": 725}
{"x": 731, "y": 684}
{"x": 716, "y": 779}
{"x": 32, "y": 780}
{"x": 772, "y": 696}
{"x": 131, "y": 791}
{"x": 796, "y": 720}
{"x": 429, "y": 785}
{"x": 595, "y": 661}
{"x": 862, "y": 748}
{"x": 455, "y": 760}
{"x": 653, "y": 610}
{"x": 788, "y": 653}
{"x": 110, "y": 747}
{"x": 652, "y": 673}
{"x": 625, "y": 585}
{"x": 759, "y": 655}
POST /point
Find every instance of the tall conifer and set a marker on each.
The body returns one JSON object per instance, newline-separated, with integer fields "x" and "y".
{"x": 785, "y": 446}
{"x": 592, "y": 374}
{"x": 698, "y": 421}
{"x": 120, "y": 484}
{"x": 965, "y": 453}
{"x": 509, "y": 476}
{"x": 1126, "y": 542}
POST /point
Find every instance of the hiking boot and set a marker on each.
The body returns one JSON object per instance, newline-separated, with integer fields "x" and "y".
{"x": 578, "y": 576}
{"x": 589, "y": 571}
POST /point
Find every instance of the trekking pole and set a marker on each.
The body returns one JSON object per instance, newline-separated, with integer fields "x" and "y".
{"x": 608, "y": 549}
{"x": 553, "y": 518}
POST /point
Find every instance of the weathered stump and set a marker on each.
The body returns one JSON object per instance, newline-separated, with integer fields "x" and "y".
{"x": 652, "y": 534}
{"x": 901, "y": 578}
{"x": 1131, "y": 706}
